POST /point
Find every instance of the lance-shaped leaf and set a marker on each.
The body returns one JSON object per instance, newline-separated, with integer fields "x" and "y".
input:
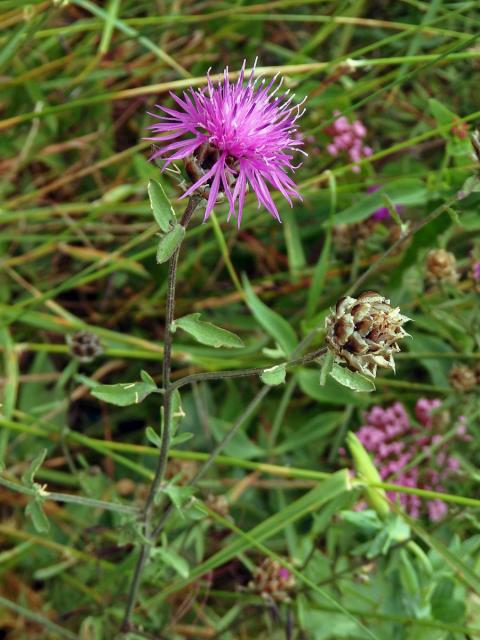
{"x": 28, "y": 478}
{"x": 207, "y": 333}
{"x": 276, "y": 326}
{"x": 352, "y": 379}
{"x": 124, "y": 393}
{"x": 35, "y": 511}
{"x": 163, "y": 211}
{"x": 275, "y": 375}
{"x": 170, "y": 243}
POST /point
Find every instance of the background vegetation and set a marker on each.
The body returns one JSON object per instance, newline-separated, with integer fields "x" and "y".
{"x": 78, "y": 252}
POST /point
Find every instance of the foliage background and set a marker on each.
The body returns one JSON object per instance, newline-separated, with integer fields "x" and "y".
{"x": 78, "y": 251}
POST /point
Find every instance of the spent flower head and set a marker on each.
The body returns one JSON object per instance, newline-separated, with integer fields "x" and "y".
{"x": 363, "y": 332}
{"x": 234, "y": 136}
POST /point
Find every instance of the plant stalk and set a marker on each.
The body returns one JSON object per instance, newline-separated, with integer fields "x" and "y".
{"x": 167, "y": 416}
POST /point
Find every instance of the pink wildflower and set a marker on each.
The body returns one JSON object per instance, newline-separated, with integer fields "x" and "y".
{"x": 395, "y": 442}
{"x": 247, "y": 134}
{"x": 348, "y": 136}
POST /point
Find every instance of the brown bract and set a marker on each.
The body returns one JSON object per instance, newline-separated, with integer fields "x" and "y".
{"x": 363, "y": 332}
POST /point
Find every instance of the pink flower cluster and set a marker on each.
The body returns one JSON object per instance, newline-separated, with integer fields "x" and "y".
{"x": 395, "y": 442}
{"x": 348, "y": 136}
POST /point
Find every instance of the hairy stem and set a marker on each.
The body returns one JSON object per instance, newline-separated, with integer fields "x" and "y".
{"x": 167, "y": 416}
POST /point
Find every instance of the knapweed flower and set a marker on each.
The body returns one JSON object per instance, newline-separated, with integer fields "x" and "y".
{"x": 272, "y": 580}
{"x": 84, "y": 346}
{"x": 233, "y": 137}
{"x": 363, "y": 332}
{"x": 348, "y": 136}
{"x": 462, "y": 378}
{"x": 441, "y": 267}
{"x": 382, "y": 213}
{"x": 395, "y": 442}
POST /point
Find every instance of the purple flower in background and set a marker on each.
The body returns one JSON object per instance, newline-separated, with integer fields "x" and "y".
{"x": 476, "y": 271}
{"x": 241, "y": 135}
{"x": 395, "y": 443}
{"x": 348, "y": 136}
{"x": 382, "y": 213}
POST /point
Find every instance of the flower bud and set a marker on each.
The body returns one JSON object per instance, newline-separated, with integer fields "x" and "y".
{"x": 441, "y": 267}
{"x": 272, "y": 580}
{"x": 363, "y": 332}
{"x": 85, "y": 346}
{"x": 462, "y": 378}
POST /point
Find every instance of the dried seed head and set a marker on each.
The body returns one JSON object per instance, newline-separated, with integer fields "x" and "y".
{"x": 272, "y": 580}
{"x": 85, "y": 346}
{"x": 218, "y": 503}
{"x": 441, "y": 266}
{"x": 462, "y": 378}
{"x": 363, "y": 332}
{"x": 182, "y": 470}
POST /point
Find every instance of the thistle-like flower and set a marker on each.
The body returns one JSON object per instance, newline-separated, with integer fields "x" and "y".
{"x": 272, "y": 580}
{"x": 363, "y": 332}
{"x": 441, "y": 266}
{"x": 233, "y": 136}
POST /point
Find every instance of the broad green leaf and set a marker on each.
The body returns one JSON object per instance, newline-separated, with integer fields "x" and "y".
{"x": 170, "y": 243}
{"x": 407, "y": 191}
{"x": 172, "y": 559}
{"x": 275, "y": 375}
{"x": 124, "y": 393}
{"x": 29, "y": 476}
{"x": 207, "y": 333}
{"x": 163, "y": 211}
{"x": 351, "y": 379}
{"x": 35, "y": 511}
{"x": 276, "y": 326}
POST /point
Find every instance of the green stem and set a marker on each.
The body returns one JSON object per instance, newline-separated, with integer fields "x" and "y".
{"x": 167, "y": 416}
{"x": 67, "y": 498}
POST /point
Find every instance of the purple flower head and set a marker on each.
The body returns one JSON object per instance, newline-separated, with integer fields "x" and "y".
{"x": 245, "y": 133}
{"x": 395, "y": 442}
{"x": 476, "y": 271}
{"x": 382, "y": 213}
{"x": 348, "y": 137}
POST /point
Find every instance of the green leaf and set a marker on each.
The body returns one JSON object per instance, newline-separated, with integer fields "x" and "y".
{"x": 29, "y": 475}
{"x": 178, "y": 495}
{"x": 276, "y": 326}
{"x": 330, "y": 393}
{"x": 275, "y": 375}
{"x": 153, "y": 437}
{"x": 163, "y": 211}
{"x": 207, "y": 333}
{"x": 146, "y": 377}
{"x": 442, "y": 115}
{"x": 124, "y": 393}
{"x": 173, "y": 560}
{"x": 406, "y": 191}
{"x": 170, "y": 243}
{"x": 181, "y": 438}
{"x": 352, "y": 379}
{"x": 35, "y": 511}
{"x": 367, "y": 471}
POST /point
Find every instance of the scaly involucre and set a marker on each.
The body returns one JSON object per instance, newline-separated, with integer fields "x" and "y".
{"x": 246, "y": 133}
